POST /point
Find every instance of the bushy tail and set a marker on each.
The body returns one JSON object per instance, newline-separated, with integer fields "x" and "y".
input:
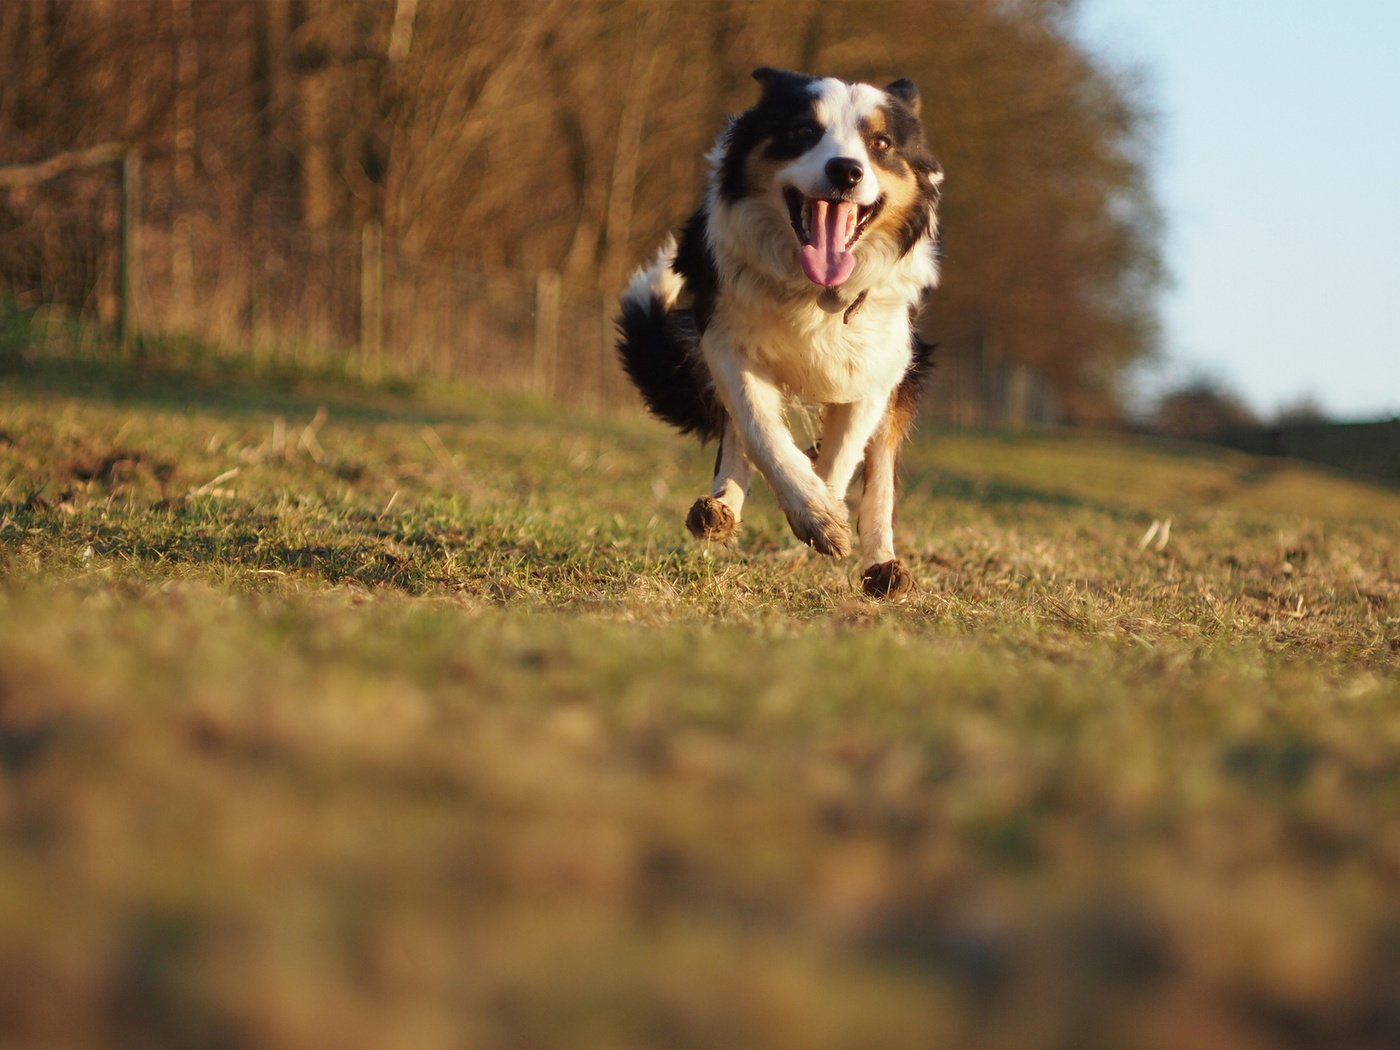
{"x": 659, "y": 348}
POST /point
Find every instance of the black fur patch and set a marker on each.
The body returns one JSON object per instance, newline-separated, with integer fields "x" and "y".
{"x": 910, "y": 147}
{"x": 916, "y": 376}
{"x": 659, "y": 354}
{"x": 696, "y": 265}
{"x": 783, "y": 111}
{"x": 905, "y": 90}
{"x": 919, "y": 223}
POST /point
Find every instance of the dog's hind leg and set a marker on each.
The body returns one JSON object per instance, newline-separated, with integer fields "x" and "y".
{"x": 717, "y": 516}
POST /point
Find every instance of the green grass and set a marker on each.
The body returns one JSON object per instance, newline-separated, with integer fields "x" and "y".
{"x": 420, "y": 722}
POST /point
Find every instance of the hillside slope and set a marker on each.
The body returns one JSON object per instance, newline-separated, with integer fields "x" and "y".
{"x": 330, "y": 719}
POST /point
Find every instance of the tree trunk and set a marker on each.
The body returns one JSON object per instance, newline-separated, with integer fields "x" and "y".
{"x": 183, "y": 157}
{"x": 318, "y": 197}
{"x": 627, "y": 155}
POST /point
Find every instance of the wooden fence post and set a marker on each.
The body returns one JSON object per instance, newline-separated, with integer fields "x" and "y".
{"x": 605, "y": 355}
{"x": 547, "y": 294}
{"x": 128, "y": 162}
{"x": 1018, "y": 396}
{"x": 371, "y": 299}
{"x": 129, "y": 317}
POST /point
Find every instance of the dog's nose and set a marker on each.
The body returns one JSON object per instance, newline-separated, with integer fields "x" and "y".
{"x": 844, "y": 172}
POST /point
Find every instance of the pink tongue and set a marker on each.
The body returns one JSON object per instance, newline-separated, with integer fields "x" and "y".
{"x": 825, "y": 261}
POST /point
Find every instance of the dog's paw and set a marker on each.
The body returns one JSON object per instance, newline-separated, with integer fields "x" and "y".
{"x": 709, "y": 519}
{"x": 888, "y": 579}
{"x": 822, "y": 530}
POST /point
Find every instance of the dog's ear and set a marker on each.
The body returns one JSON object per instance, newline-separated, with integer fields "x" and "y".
{"x": 904, "y": 90}
{"x": 770, "y": 78}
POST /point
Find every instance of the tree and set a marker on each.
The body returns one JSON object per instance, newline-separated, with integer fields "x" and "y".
{"x": 1201, "y": 410}
{"x": 1305, "y": 411}
{"x": 545, "y": 134}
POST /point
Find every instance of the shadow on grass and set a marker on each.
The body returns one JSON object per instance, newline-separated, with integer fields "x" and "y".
{"x": 62, "y": 355}
{"x": 235, "y": 390}
{"x": 228, "y": 389}
{"x": 986, "y": 492}
{"x": 240, "y": 387}
{"x": 415, "y": 556}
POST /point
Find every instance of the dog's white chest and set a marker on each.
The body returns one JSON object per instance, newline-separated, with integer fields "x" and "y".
{"x": 830, "y": 356}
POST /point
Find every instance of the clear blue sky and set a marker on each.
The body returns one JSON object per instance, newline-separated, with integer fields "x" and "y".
{"x": 1277, "y": 163}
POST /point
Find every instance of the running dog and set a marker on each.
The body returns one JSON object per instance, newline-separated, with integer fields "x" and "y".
{"x": 798, "y": 279}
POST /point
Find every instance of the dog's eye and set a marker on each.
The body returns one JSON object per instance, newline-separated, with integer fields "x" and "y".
{"x": 804, "y": 133}
{"x": 882, "y": 144}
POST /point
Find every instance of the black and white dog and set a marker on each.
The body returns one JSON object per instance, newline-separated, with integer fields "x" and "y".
{"x": 798, "y": 279}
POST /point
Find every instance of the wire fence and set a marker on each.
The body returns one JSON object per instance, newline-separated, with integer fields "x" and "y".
{"x": 298, "y": 296}
{"x": 282, "y": 294}
{"x": 310, "y": 295}
{"x": 1369, "y": 450}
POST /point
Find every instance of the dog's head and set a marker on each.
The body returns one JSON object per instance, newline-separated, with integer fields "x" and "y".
{"x": 844, "y": 166}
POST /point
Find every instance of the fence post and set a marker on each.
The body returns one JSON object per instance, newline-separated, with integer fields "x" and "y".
{"x": 975, "y": 402}
{"x": 1018, "y": 396}
{"x": 371, "y": 298}
{"x": 547, "y": 291}
{"x": 605, "y": 355}
{"x": 129, "y": 318}
{"x": 256, "y": 306}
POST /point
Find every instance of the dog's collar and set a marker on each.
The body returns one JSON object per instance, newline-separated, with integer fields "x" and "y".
{"x": 830, "y": 301}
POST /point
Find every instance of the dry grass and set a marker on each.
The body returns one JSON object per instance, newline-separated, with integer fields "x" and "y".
{"x": 422, "y": 723}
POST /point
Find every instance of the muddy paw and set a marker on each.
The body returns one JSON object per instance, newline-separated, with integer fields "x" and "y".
{"x": 709, "y": 519}
{"x": 889, "y": 579}
{"x": 823, "y": 531}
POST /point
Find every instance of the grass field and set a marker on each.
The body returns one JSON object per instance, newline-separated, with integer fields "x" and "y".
{"x": 348, "y": 718}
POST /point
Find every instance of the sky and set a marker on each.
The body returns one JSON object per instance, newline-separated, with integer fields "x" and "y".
{"x": 1277, "y": 163}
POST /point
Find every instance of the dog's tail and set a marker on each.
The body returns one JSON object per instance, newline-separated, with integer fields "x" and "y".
{"x": 659, "y": 348}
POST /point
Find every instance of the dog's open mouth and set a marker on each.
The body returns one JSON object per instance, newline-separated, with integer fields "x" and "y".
{"x": 828, "y": 231}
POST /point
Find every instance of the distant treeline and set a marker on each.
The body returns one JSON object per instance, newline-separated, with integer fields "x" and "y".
{"x": 1366, "y": 449}
{"x": 551, "y": 135}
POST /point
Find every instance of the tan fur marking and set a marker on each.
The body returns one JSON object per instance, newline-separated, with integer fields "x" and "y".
{"x": 901, "y": 198}
{"x": 897, "y": 179}
{"x": 760, "y": 170}
{"x": 904, "y": 409}
{"x": 873, "y": 125}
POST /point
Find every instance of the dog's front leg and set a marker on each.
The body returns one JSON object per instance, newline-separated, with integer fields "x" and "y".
{"x": 716, "y": 516}
{"x": 755, "y": 405}
{"x": 884, "y": 576}
{"x": 846, "y": 429}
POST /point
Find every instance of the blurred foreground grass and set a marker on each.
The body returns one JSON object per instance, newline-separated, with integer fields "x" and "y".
{"x": 338, "y": 718}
